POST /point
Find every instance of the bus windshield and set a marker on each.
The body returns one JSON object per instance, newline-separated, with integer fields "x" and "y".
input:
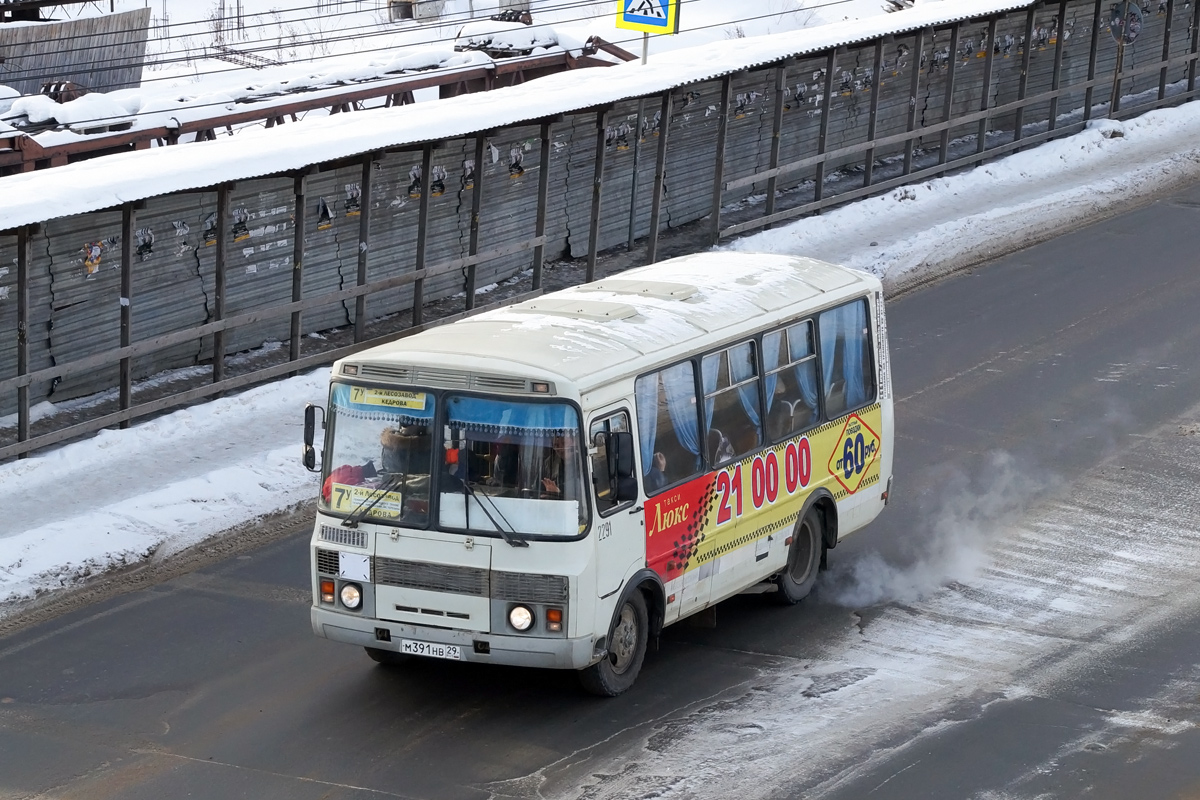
{"x": 379, "y": 453}
{"x": 501, "y": 465}
{"x": 512, "y": 466}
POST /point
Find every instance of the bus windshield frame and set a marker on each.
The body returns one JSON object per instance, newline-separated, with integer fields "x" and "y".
{"x": 456, "y": 461}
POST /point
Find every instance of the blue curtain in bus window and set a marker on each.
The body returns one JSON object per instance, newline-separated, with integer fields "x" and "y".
{"x": 710, "y": 374}
{"x": 507, "y": 418}
{"x": 680, "y": 388}
{"x": 771, "y": 362}
{"x": 799, "y": 346}
{"x": 741, "y": 368}
{"x": 646, "y": 394}
{"x": 843, "y": 327}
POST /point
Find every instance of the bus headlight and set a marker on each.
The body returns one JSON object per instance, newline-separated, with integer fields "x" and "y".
{"x": 521, "y": 618}
{"x": 351, "y": 596}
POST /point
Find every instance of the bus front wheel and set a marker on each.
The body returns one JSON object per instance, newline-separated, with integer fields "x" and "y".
{"x": 804, "y": 560}
{"x": 616, "y": 672}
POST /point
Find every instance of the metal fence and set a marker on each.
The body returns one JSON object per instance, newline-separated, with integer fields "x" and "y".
{"x": 100, "y": 300}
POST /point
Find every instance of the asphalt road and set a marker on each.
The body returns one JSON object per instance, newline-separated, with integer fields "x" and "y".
{"x": 1076, "y": 359}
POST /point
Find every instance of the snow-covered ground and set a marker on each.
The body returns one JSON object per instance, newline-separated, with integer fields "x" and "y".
{"x": 128, "y": 495}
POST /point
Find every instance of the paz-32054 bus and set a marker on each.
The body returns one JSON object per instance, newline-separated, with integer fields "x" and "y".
{"x": 551, "y": 483}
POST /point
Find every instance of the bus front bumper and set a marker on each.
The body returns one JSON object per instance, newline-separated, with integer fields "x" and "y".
{"x": 521, "y": 651}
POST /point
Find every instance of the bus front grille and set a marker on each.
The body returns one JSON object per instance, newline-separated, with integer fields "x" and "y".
{"x": 431, "y": 577}
{"x": 328, "y": 562}
{"x": 521, "y": 587}
{"x": 346, "y": 536}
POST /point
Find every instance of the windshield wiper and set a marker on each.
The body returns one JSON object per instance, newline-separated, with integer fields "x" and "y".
{"x": 357, "y": 514}
{"x": 511, "y": 536}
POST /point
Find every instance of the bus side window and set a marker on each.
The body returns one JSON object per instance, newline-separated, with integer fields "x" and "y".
{"x": 668, "y": 428}
{"x": 731, "y": 403}
{"x": 790, "y": 363}
{"x": 846, "y": 368}
{"x": 606, "y": 499}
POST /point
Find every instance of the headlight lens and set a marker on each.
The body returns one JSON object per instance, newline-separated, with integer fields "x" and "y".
{"x": 351, "y": 596}
{"x": 520, "y": 618}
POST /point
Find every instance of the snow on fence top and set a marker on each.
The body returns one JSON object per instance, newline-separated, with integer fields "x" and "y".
{"x": 113, "y": 180}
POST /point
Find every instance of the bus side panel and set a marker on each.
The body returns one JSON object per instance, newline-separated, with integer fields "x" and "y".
{"x": 724, "y": 531}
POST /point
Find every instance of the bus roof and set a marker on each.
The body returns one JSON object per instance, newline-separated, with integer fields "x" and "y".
{"x": 591, "y": 333}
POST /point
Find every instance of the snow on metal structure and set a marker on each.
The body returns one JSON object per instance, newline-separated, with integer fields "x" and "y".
{"x": 139, "y": 176}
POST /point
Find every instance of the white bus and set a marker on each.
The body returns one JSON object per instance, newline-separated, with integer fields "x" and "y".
{"x": 552, "y": 483}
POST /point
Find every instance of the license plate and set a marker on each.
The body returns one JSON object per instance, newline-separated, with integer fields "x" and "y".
{"x": 430, "y": 649}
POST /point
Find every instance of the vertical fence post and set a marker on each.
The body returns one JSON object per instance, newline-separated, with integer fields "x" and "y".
{"x": 128, "y": 221}
{"x": 1023, "y": 82}
{"x": 985, "y": 99}
{"x": 633, "y": 183}
{"x": 1056, "y": 79}
{"x": 1191, "y": 85}
{"x": 948, "y": 101}
{"x": 299, "y": 188}
{"x": 719, "y": 171}
{"x": 418, "y": 311}
{"x": 24, "y": 258}
{"x": 913, "y": 88}
{"x": 1166, "y": 51}
{"x": 873, "y": 118}
{"x": 221, "y": 258}
{"x": 539, "y": 251}
{"x": 1091, "y": 75}
{"x": 597, "y": 185}
{"x": 364, "y": 242}
{"x": 823, "y": 128}
{"x": 776, "y": 134}
{"x": 660, "y": 177}
{"x": 476, "y": 203}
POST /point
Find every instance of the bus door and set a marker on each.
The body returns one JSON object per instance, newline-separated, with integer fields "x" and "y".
{"x": 618, "y": 530}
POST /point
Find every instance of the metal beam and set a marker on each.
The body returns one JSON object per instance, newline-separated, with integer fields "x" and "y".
{"x": 24, "y": 259}
{"x": 1023, "y": 82}
{"x": 299, "y": 226}
{"x": 476, "y": 204}
{"x": 823, "y": 130}
{"x": 418, "y": 309}
{"x": 986, "y": 91}
{"x": 1056, "y": 78}
{"x": 128, "y": 223}
{"x": 364, "y": 244}
{"x": 714, "y": 216}
{"x": 873, "y": 119}
{"x": 776, "y": 134}
{"x": 948, "y": 99}
{"x": 914, "y": 86}
{"x": 222, "y": 256}
{"x": 660, "y": 177}
{"x": 543, "y": 202}
{"x": 597, "y": 193}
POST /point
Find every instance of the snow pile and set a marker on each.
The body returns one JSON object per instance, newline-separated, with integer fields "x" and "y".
{"x": 89, "y": 111}
{"x": 510, "y": 37}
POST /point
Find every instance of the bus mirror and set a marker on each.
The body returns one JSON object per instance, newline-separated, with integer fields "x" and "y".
{"x": 620, "y": 455}
{"x": 309, "y": 458}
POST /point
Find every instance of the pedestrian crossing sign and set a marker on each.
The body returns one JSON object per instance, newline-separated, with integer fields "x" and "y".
{"x": 648, "y": 16}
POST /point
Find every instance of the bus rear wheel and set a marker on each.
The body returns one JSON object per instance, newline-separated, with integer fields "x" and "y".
{"x": 616, "y": 672}
{"x": 804, "y": 560}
